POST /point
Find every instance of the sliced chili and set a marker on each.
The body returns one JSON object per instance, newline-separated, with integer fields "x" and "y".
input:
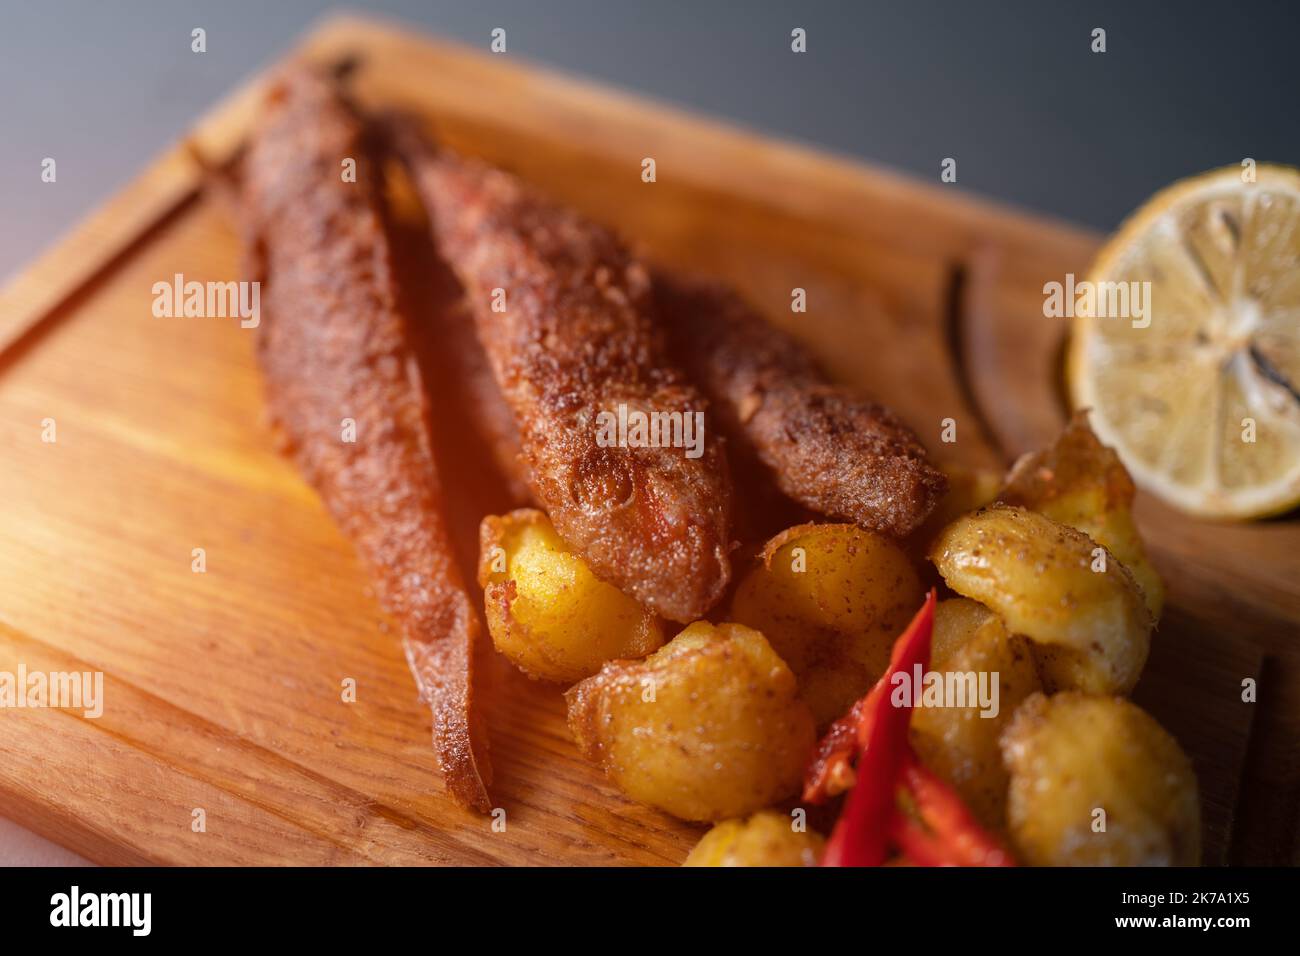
{"x": 940, "y": 830}
{"x": 850, "y": 733}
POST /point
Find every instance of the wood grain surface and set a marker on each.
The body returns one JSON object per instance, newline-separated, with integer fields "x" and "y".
{"x": 223, "y": 690}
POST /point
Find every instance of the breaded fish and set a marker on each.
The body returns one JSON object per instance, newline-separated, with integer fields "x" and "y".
{"x": 564, "y": 313}
{"x": 827, "y": 448}
{"x": 333, "y": 349}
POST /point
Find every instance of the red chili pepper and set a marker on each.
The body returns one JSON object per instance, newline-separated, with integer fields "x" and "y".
{"x": 831, "y": 770}
{"x": 850, "y": 733}
{"x": 954, "y": 837}
{"x": 861, "y": 834}
{"x": 942, "y": 833}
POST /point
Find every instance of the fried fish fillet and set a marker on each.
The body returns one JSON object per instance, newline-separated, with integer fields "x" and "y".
{"x": 333, "y": 349}
{"x": 565, "y": 315}
{"x": 827, "y": 448}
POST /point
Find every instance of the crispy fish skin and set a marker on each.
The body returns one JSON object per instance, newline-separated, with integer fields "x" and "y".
{"x": 577, "y": 337}
{"x": 827, "y": 448}
{"x": 332, "y": 345}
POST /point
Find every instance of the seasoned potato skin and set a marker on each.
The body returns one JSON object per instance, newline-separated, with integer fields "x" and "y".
{"x": 834, "y": 622}
{"x": 956, "y": 742}
{"x": 547, "y": 613}
{"x": 724, "y": 735}
{"x": 1071, "y": 754}
{"x": 1080, "y": 482}
{"x": 765, "y": 839}
{"x": 1091, "y": 629}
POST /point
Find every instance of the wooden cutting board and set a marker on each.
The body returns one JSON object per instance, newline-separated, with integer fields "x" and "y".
{"x": 223, "y": 689}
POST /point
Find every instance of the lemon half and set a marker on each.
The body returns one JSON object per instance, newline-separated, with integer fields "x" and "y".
{"x": 1186, "y": 343}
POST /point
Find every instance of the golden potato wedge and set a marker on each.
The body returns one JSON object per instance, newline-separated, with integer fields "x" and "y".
{"x": 831, "y": 599}
{"x": 1071, "y": 756}
{"x": 1080, "y": 482}
{"x": 1091, "y": 628}
{"x": 960, "y": 743}
{"x": 547, "y": 613}
{"x": 708, "y": 727}
{"x": 765, "y": 839}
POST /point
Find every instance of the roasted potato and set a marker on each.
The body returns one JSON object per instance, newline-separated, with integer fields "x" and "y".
{"x": 1080, "y": 482}
{"x": 1070, "y": 756}
{"x": 955, "y": 622}
{"x": 547, "y": 613}
{"x": 708, "y": 727}
{"x": 765, "y": 839}
{"x": 831, "y": 599}
{"x": 959, "y": 743}
{"x": 1091, "y": 628}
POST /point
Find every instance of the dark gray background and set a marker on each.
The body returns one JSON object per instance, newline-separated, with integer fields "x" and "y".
{"x": 1011, "y": 90}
